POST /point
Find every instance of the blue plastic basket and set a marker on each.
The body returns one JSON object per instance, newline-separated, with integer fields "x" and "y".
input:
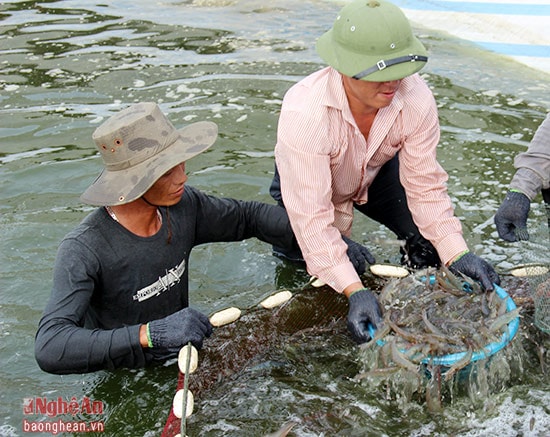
{"x": 490, "y": 349}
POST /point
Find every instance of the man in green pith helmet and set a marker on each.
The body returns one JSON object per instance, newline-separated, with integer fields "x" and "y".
{"x": 532, "y": 176}
{"x": 362, "y": 134}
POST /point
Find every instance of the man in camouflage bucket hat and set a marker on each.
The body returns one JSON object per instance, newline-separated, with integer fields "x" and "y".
{"x": 120, "y": 282}
{"x": 362, "y": 134}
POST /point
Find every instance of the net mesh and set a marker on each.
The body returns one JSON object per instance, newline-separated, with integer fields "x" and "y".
{"x": 258, "y": 331}
{"x": 536, "y": 255}
{"x": 315, "y": 312}
{"x": 540, "y": 289}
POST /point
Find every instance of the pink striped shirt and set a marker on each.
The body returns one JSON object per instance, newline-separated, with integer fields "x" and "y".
{"x": 326, "y": 165}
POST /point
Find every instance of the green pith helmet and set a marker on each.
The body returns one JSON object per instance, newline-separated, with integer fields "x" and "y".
{"x": 372, "y": 40}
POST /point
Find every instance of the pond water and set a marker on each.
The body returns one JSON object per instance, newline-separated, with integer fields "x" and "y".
{"x": 67, "y": 65}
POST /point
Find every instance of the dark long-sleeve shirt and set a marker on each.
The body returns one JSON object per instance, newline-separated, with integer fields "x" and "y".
{"x": 108, "y": 281}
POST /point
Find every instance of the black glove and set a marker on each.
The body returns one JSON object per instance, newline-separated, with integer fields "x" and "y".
{"x": 512, "y": 215}
{"x": 168, "y": 335}
{"x": 418, "y": 253}
{"x": 359, "y": 255}
{"x": 476, "y": 268}
{"x": 363, "y": 309}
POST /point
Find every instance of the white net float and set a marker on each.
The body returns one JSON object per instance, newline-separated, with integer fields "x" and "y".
{"x": 224, "y": 317}
{"x": 177, "y": 404}
{"x": 389, "y": 271}
{"x": 183, "y": 355}
{"x": 276, "y": 299}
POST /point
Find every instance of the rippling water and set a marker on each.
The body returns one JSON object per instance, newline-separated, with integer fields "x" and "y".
{"x": 65, "y": 66}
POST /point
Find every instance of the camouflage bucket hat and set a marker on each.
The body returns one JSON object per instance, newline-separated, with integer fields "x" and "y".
{"x": 372, "y": 40}
{"x": 138, "y": 145}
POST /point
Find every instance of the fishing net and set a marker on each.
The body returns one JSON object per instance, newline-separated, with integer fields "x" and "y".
{"x": 478, "y": 326}
{"x": 258, "y": 331}
{"x": 536, "y": 255}
{"x": 541, "y": 300}
{"x": 441, "y": 335}
{"x": 541, "y": 286}
{"x": 434, "y": 317}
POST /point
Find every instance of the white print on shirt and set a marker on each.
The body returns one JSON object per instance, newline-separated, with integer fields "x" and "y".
{"x": 163, "y": 283}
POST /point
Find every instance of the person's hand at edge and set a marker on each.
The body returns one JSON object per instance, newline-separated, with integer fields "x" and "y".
{"x": 511, "y": 216}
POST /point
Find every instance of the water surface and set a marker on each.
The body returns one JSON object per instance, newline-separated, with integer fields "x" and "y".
{"x": 66, "y": 66}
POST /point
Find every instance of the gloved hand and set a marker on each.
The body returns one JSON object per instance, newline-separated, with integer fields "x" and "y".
{"x": 476, "y": 268}
{"x": 511, "y": 215}
{"x": 418, "y": 253}
{"x": 363, "y": 309}
{"x": 167, "y": 336}
{"x": 359, "y": 255}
